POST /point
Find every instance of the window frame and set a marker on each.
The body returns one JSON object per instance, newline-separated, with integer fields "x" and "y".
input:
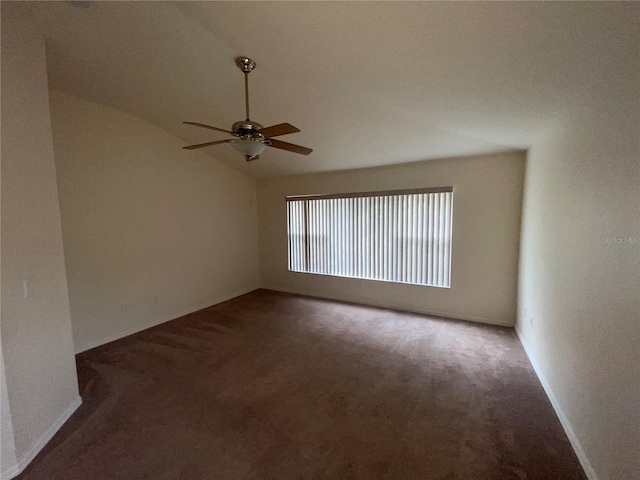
{"x": 444, "y": 216}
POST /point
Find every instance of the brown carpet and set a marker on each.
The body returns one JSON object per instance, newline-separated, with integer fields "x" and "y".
{"x": 277, "y": 386}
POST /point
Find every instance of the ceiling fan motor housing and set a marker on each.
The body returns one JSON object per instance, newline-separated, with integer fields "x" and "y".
{"x": 247, "y": 128}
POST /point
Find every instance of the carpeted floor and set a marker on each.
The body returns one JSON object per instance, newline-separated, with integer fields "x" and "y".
{"x": 277, "y": 386}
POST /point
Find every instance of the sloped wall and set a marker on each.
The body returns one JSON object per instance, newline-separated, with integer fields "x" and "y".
{"x": 151, "y": 232}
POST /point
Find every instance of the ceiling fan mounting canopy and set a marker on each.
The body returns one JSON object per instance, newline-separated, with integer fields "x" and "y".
{"x": 251, "y": 137}
{"x": 245, "y": 64}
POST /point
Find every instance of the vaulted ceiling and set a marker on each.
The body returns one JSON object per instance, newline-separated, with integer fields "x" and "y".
{"x": 368, "y": 83}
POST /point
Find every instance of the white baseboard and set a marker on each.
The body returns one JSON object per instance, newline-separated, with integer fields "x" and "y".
{"x": 42, "y": 441}
{"x": 10, "y": 472}
{"x": 564, "y": 421}
{"x": 390, "y": 306}
{"x": 126, "y": 333}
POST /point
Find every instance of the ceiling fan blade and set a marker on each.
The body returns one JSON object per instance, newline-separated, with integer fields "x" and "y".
{"x": 200, "y": 145}
{"x": 209, "y": 127}
{"x": 289, "y": 147}
{"x": 277, "y": 130}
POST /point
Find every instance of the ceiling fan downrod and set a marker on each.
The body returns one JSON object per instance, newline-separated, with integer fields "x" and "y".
{"x": 246, "y": 65}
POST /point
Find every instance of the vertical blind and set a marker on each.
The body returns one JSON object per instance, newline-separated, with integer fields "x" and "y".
{"x": 399, "y": 236}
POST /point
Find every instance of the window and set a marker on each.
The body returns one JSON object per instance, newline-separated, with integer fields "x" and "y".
{"x": 401, "y": 236}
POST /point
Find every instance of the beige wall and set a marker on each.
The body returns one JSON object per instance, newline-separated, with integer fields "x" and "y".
{"x": 37, "y": 342}
{"x": 151, "y": 231}
{"x": 486, "y": 223}
{"x": 8, "y": 460}
{"x": 581, "y": 293}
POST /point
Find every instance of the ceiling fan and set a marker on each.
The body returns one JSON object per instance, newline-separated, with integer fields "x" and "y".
{"x": 251, "y": 137}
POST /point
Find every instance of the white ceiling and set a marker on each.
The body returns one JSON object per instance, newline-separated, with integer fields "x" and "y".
{"x": 367, "y": 83}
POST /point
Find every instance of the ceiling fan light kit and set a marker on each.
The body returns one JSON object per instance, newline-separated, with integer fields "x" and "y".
{"x": 249, "y": 147}
{"x": 251, "y": 137}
